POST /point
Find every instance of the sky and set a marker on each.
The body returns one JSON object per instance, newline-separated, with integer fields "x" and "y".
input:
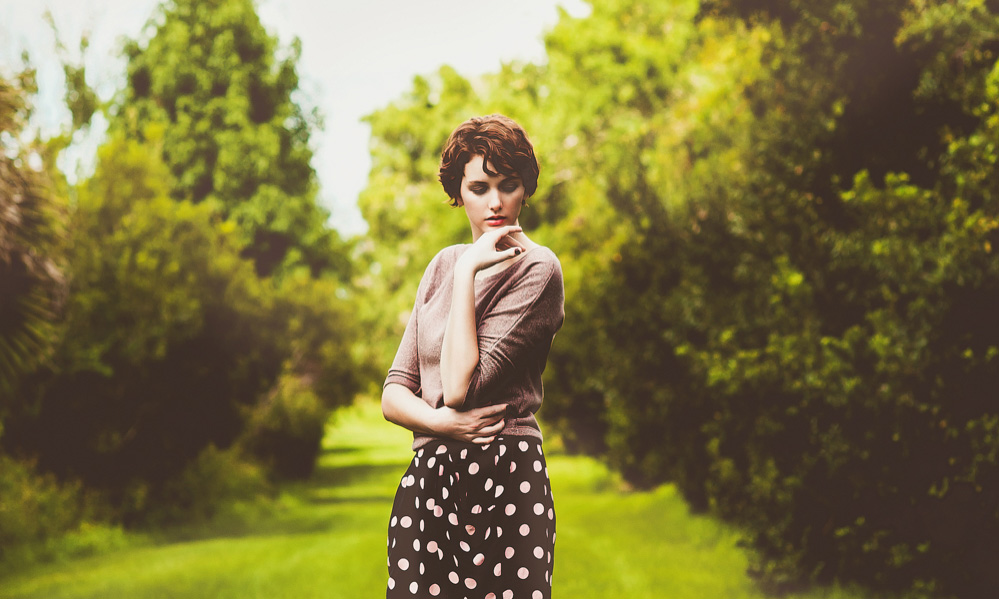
{"x": 357, "y": 56}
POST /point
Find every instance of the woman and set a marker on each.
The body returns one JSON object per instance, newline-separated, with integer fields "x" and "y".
{"x": 473, "y": 516}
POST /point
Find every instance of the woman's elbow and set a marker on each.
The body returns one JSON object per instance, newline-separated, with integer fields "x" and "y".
{"x": 388, "y": 403}
{"x": 454, "y": 396}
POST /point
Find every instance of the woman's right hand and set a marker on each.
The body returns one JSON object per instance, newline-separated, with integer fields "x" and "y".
{"x": 478, "y": 425}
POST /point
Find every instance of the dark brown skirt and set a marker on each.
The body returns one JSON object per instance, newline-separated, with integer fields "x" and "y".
{"x": 473, "y": 521}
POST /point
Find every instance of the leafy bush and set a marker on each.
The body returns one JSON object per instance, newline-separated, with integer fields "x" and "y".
{"x": 211, "y": 483}
{"x": 286, "y": 430}
{"x": 33, "y": 507}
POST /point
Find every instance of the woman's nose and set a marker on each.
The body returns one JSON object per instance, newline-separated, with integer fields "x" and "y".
{"x": 494, "y": 200}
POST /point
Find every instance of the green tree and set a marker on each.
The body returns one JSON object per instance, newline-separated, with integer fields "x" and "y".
{"x": 235, "y": 138}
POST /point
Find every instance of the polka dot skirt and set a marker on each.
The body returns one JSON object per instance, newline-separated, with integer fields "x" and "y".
{"x": 473, "y": 522}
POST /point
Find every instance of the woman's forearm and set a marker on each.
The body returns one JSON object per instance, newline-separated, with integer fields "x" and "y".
{"x": 401, "y": 406}
{"x": 481, "y": 425}
{"x": 460, "y": 348}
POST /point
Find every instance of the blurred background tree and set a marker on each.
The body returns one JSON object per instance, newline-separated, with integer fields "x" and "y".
{"x": 233, "y": 136}
{"x": 206, "y": 324}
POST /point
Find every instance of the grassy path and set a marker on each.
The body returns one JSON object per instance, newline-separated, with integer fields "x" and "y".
{"x": 327, "y": 539}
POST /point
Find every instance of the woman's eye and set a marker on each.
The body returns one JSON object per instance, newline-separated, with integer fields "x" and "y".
{"x": 478, "y": 190}
{"x": 510, "y": 187}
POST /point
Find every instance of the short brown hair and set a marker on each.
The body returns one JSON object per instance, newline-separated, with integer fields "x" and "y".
{"x": 500, "y": 141}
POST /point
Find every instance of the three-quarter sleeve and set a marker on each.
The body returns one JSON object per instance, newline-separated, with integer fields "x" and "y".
{"x": 519, "y": 328}
{"x": 405, "y": 368}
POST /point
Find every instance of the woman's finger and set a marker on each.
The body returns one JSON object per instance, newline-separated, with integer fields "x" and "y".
{"x": 493, "y": 428}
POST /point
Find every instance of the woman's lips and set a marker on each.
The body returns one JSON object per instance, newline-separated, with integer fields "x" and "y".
{"x": 495, "y": 220}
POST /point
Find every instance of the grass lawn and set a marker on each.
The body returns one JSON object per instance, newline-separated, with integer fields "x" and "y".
{"x": 326, "y": 538}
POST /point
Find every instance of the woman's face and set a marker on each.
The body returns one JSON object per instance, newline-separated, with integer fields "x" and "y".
{"x": 490, "y": 201}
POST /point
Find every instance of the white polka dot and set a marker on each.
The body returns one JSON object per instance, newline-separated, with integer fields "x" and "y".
{"x": 498, "y": 570}
{"x": 444, "y": 493}
{"x": 488, "y": 530}
{"x": 421, "y": 526}
{"x": 435, "y": 590}
{"x": 538, "y": 509}
{"x": 453, "y": 577}
{"x": 453, "y": 518}
{"x": 537, "y": 465}
{"x": 499, "y": 531}
{"x": 507, "y": 594}
{"x": 539, "y": 552}
{"x": 513, "y": 466}
{"x": 431, "y": 462}
{"x": 393, "y": 521}
{"x": 491, "y": 596}
{"x": 551, "y": 516}
{"x": 423, "y": 569}
{"x": 476, "y": 509}
{"x": 391, "y": 583}
{"x": 431, "y": 503}
{"x": 419, "y": 453}
{"x": 525, "y": 487}
{"x": 440, "y": 472}
{"x": 502, "y": 449}
{"x": 539, "y": 450}
{"x": 441, "y": 449}
{"x": 478, "y": 559}
{"x": 417, "y": 503}
{"x": 509, "y": 552}
{"x": 464, "y": 546}
{"x": 538, "y": 595}
{"x": 464, "y": 453}
{"x": 523, "y": 446}
{"x": 523, "y": 573}
{"x": 438, "y": 511}
{"x": 416, "y": 544}
{"x": 473, "y": 468}
{"x": 413, "y": 588}
{"x": 470, "y": 529}
{"x": 499, "y": 490}
{"x": 510, "y": 509}
{"x": 432, "y": 546}
{"x": 404, "y": 564}
{"x": 406, "y": 522}
{"x": 525, "y": 530}
{"x": 489, "y": 484}
{"x": 470, "y": 583}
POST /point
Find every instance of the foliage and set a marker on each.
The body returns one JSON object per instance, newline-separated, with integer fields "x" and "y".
{"x": 214, "y": 480}
{"x": 798, "y": 333}
{"x": 166, "y": 335}
{"x": 171, "y": 338}
{"x": 286, "y": 430}
{"x": 233, "y": 136}
{"x": 33, "y": 507}
{"x": 31, "y": 221}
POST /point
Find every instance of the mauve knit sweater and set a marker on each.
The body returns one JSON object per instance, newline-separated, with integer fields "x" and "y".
{"x": 517, "y": 313}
